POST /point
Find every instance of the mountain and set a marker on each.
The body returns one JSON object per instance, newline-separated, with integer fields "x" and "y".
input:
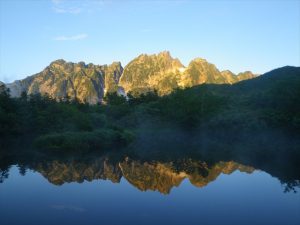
{"x": 200, "y": 71}
{"x": 89, "y": 83}
{"x": 149, "y": 72}
{"x": 164, "y": 73}
{"x": 61, "y": 79}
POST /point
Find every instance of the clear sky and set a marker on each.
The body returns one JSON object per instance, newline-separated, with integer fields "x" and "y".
{"x": 237, "y": 35}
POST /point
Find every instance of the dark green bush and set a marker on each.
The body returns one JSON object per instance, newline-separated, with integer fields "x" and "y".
{"x": 83, "y": 141}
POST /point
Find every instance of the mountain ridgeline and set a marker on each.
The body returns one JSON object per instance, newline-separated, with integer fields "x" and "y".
{"x": 89, "y": 83}
{"x": 61, "y": 80}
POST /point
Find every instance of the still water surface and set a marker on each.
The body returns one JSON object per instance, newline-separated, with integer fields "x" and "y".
{"x": 135, "y": 192}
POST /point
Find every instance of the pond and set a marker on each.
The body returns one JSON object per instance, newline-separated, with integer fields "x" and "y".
{"x": 107, "y": 190}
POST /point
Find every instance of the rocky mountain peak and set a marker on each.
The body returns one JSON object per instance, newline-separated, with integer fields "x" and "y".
{"x": 199, "y": 60}
{"x": 245, "y": 75}
{"x": 148, "y": 72}
{"x": 165, "y": 54}
{"x": 227, "y": 72}
{"x": 58, "y": 62}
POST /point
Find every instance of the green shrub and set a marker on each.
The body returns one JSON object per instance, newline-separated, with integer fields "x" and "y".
{"x": 84, "y": 141}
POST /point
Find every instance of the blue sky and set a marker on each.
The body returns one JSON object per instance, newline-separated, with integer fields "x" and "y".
{"x": 236, "y": 35}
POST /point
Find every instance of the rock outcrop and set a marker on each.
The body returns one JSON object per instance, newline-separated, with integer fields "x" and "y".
{"x": 61, "y": 80}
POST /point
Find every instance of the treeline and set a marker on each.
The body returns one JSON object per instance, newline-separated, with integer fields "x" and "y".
{"x": 49, "y": 124}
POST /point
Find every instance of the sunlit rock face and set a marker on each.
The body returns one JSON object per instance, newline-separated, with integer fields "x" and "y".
{"x": 89, "y": 83}
{"x": 154, "y": 175}
{"x": 199, "y": 71}
{"x": 148, "y": 72}
{"x": 245, "y": 75}
{"x": 229, "y": 76}
{"x": 113, "y": 73}
{"x": 61, "y": 80}
{"x": 233, "y": 78}
{"x": 164, "y": 73}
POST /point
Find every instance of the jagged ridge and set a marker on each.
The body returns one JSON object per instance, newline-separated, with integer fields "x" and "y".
{"x": 89, "y": 83}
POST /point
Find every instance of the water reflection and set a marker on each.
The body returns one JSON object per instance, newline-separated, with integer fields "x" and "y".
{"x": 163, "y": 177}
{"x": 145, "y": 174}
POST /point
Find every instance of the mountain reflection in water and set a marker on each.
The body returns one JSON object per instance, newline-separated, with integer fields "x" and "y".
{"x": 125, "y": 187}
{"x": 156, "y": 175}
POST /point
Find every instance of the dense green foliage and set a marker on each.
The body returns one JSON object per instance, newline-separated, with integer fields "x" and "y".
{"x": 267, "y": 103}
{"x": 58, "y": 125}
{"x": 84, "y": 140}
